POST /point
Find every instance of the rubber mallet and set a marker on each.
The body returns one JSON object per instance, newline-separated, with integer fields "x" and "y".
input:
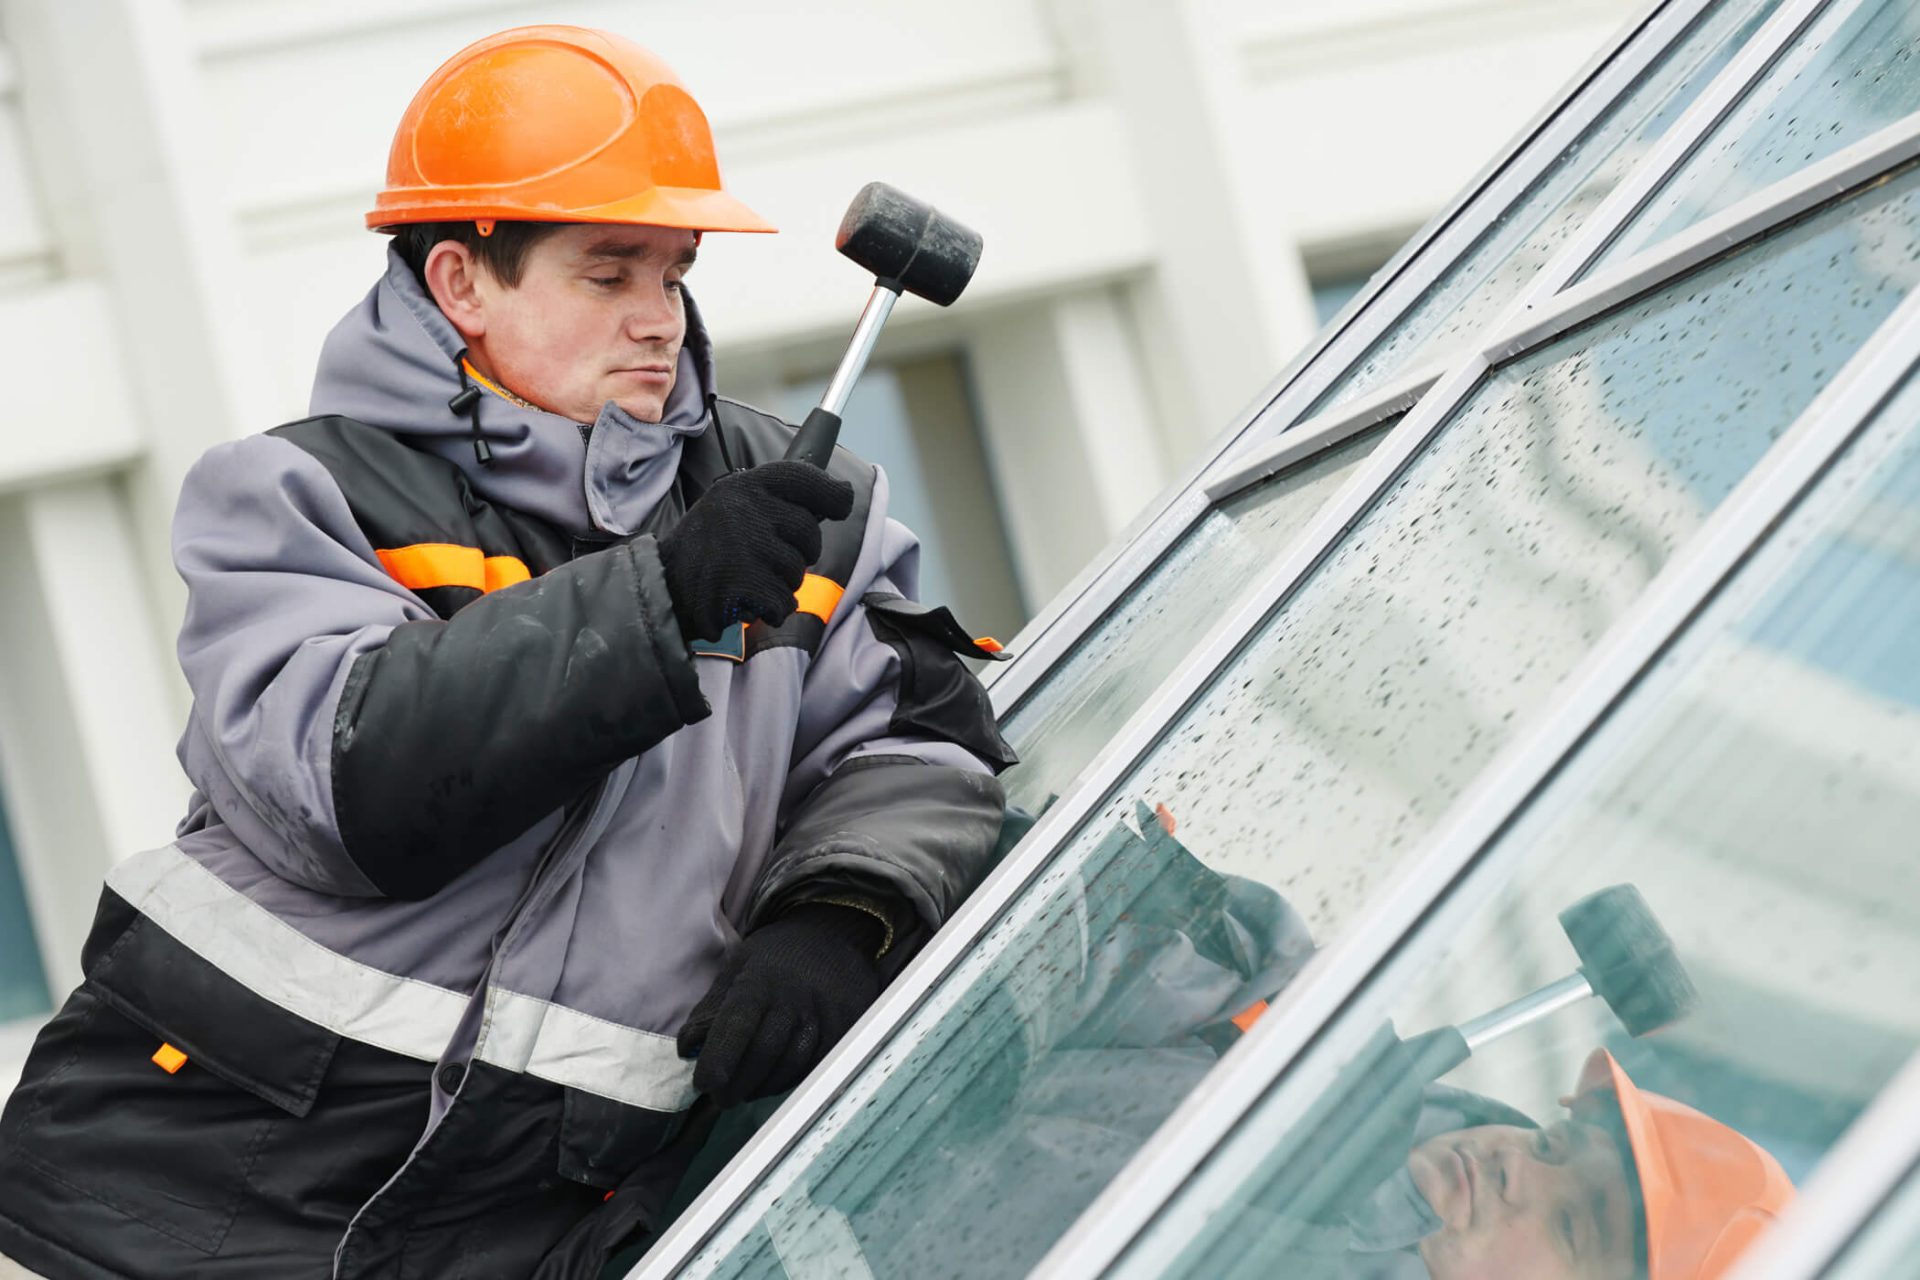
{"x": 911, "y": 247}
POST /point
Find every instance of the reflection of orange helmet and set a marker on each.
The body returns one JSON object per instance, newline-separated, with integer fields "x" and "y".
{"x": 557, "y": 124}
{"x": 1708, "y": 1190}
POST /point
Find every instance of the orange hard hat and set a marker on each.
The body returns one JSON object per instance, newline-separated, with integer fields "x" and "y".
{"x": 557, "y": 124}
{"x": 1708, "y": 1191}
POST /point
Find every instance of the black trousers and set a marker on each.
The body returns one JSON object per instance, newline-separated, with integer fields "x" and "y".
{"x": 255, "y": 1156}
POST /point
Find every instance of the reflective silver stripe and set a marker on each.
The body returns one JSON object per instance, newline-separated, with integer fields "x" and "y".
{"x": 566, "y": 1046}
{"x": 274, "y": 960}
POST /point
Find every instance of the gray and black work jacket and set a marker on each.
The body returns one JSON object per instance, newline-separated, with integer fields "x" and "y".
{"x": 465, "y": 793}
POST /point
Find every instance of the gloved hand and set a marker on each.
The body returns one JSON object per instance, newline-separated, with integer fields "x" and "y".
{"x": 789, "y": 991}
{"x": 743, "y": 547}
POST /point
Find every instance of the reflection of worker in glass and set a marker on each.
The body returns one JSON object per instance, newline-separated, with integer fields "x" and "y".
{"x": 1160, "y": 967}
{"x": 1628, "y": 1184}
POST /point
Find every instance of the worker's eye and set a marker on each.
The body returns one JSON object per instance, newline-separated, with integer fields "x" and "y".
{"x": 675, "y": 286}
{"x": 605, "y": 282}
{"x": 1542, "y": 1146}
{"x": 1566, "y": 1228}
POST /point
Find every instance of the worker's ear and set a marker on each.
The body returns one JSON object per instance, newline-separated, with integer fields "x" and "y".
{"x": 453, "y": 277}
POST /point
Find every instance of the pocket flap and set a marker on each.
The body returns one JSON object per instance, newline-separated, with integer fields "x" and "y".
{"x": 240, "y": 1036}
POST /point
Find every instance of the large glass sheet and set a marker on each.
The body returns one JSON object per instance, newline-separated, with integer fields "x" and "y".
{"x": 1729, "y": 863}
{"x": 1323, "y": 752}
{"x": 1115, "y": 666}
{"x": 23, "y": 984}
{"x": 1490, "y": 276}
{"x": 1856, "y": 70}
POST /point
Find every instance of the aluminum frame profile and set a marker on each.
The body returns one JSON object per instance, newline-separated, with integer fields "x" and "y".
{"x": 1304, "y": 440}
{"x": 1457, "y": 870}
{"x": 1787, "y": 62}
{"x": 1874, "y": 1160}
{"x": 1807, "y": 190}
{"x": 745, "y": 1174}
{"x": 1382, "y": 303}
{"x": 1677, "y": 146}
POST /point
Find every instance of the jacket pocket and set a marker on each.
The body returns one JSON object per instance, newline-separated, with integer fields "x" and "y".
{"x": 174, "y": 1149}
{"x": 603, "y": 1141}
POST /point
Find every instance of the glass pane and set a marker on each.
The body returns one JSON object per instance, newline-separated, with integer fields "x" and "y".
{"x": 23, "y": 985}
{"x": 1491, "y": 275}
{"x": 1324, "y": 752}
{"x": 1854, "y": 72}
{"x": 1728, "y": 865}
{"x": 1889, "y": 1246}
{"x": 1115, "y": 667}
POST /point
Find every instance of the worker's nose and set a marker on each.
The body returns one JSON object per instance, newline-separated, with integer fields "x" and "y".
{"x": 656, "y": 316}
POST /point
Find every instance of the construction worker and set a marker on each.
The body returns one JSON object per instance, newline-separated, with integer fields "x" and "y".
{"x": 562, "y": 755}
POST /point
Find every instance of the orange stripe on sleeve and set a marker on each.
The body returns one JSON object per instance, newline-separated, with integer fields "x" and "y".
{"x": 443, "y": 564}
{"x": 818, "y": 596}
{"x": 504, "y": 571}
{"x": 435, "y": 564}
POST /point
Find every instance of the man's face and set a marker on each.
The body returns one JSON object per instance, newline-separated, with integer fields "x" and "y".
{"x": 597, "y": 316}
{"x": 1526, "y": 1203}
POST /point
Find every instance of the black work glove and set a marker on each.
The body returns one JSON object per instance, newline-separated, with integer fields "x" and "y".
{"x": 742, "y": 549}
{"x": 789, "y": 991}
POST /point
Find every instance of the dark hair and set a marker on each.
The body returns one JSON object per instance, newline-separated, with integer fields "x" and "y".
{"x": 504, "y": 253}
{"x": 1602, "y": 1108}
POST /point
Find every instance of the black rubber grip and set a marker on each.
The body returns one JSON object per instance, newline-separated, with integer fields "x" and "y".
{"x": 818, "y": 434}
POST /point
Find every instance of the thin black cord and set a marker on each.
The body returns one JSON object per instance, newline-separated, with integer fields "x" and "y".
{"x": 467, "y": 401}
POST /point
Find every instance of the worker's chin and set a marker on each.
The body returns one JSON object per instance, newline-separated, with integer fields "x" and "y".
{"x": 648, "y": 407}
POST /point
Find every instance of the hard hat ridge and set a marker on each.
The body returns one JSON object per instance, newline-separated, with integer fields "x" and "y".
{"x": 557, "y": 124}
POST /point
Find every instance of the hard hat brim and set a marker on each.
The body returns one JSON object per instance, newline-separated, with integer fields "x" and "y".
{"x": 689, "y": 208}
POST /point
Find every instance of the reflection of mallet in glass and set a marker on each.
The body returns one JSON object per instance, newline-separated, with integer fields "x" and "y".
{"x": 1626, "y": 959}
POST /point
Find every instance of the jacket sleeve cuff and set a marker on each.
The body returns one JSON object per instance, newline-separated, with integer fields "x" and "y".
{"x": 866, "y": 904}
{"x": 893, "y": 826}
{"x": 670, "y": 652}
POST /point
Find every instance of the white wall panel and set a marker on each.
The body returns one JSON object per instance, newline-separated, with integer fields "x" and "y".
{"x": 1357, "y": 30}
{"x": 26, "y": 244}
{"x": 74, "y": 410}
{"x": 1432, "y": 114}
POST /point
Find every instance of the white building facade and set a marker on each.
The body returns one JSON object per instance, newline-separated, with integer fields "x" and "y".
{"x": 1166, "y": 187}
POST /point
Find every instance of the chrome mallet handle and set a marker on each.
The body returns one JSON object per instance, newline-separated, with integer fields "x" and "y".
{"x": 1515, "y": 1014}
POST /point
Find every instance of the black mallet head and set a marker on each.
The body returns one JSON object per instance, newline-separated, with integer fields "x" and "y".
{"x": 909, "y": 243}
{"x": 1628, "y": 959}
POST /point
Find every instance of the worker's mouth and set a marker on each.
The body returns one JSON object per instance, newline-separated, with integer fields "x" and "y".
{"x": 657, "y": 373}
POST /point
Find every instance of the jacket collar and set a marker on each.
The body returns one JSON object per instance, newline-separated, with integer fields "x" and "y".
{"x": 393, "y": 362}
